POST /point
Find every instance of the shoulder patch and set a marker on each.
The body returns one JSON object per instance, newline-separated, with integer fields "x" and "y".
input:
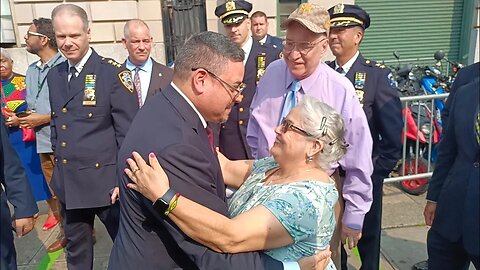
{"x": 111, "y": 62}
{"x": 126, "y": 79}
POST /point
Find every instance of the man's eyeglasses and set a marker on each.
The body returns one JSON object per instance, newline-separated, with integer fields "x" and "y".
{"x": 30, "y": 33}
{"x": 302, "y": 47}
{"x": 237, "y": 90}
{"x": 286, "y": 125}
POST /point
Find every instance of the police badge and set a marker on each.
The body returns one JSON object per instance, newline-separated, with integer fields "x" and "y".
{"x": 126, "y": 79}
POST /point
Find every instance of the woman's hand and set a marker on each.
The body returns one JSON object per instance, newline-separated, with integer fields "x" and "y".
{"x": 150, "y": 180}
{"x": 318, "y": 261}
{"x": 12, "y": 121}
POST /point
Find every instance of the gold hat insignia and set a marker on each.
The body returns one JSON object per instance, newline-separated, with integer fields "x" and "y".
{"x": 338, "y": 9}
{"x": 230, "y": 5}
{"x": 305, "y": 8}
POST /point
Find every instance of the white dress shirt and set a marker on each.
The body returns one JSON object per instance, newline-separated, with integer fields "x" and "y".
{"x": 348, "y": 65}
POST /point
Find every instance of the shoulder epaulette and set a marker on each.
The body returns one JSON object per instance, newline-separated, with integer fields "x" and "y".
{"x": 111, "y": 62}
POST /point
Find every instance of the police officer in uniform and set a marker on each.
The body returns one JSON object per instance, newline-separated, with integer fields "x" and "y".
{"x": 93, "y": 102}
{"x": 234, "y": 16}
{"x": 377, "y": 93}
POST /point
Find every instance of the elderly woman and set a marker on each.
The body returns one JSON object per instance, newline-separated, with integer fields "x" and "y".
{"x": 14, "y": 103}
{"x": 284, "y": 204}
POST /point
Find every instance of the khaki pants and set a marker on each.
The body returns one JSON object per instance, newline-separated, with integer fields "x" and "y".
{"x": 46, "y": 160}
{"x": 335, "y": 243}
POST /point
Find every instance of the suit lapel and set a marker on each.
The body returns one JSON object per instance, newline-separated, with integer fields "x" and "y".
{"x": 155, "y": 79}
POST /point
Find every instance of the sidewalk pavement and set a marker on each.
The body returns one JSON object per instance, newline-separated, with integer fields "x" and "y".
{"x": 403, "y": 238}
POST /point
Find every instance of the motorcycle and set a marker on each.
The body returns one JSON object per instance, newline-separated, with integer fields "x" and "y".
{"x": 418, "y": 118}
{"x": 420, "y": 121}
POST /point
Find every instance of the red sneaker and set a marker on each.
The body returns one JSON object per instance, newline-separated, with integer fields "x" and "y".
{"x": 51, "y": 222}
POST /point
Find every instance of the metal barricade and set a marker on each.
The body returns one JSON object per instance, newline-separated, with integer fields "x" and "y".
{"x": 418, "y": 149}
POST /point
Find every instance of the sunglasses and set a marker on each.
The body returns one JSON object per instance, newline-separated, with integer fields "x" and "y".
{"x": 30, "y": 33}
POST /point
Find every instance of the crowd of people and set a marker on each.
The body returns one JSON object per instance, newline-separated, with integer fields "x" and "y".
{"x": 251, "y": 153}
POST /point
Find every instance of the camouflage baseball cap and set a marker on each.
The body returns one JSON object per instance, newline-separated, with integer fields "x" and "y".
{"x": 314, "y": 17}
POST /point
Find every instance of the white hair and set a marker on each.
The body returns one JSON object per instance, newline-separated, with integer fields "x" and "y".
{"x": 323, "y": 123}
{"x": 5, "y": 54}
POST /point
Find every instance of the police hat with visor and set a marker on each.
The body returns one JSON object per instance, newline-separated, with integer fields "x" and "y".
{"x": 233, "y": 12}
{"x": 345, "y": 15}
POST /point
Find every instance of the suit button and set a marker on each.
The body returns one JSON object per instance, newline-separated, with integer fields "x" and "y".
{"x": 240, "y": 110}
{"x": 64, "y": 110}
{"x": 97, "y": 165}
{"x": 64, "y": 127}
{"x": 90, "y": 115}
{"x": 56, "y": 160}
{"x": 53, "y": 113}
{"x": 476, "y": 164}
{"x": 240, "y": 122}
{"x": 64, "y": 144}
{"x": 64, "y": 161}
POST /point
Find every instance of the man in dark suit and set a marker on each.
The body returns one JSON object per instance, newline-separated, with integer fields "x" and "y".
{"x": 382, "y": 107}
{"x": 260, "y": 30}
{"x": 149, "y": 76}
{"x": 453, "y": 198}
{"x": 233, "y": 133}
{"x": 464, "y": 76}
{"x": 207, "y": 82}
{"x": 19, "y": 193}
{"x": 92, "y": 102}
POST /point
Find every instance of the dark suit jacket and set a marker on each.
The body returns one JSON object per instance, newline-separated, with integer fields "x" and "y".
{"x": 464, "y": 76}
{"x": 147, "y": 241}
{"x": 17, "y": 191}
{"x": 455, "y": 181}
{"x": 383, "y": 109}
{"x": 160, "y": 77}
{"x": 86, "y": 139}
{"x": 275, "y": 41}
{"x": 233, "y": 133}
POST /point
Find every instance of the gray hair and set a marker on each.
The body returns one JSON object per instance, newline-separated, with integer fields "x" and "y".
{"x": 126, "y": 27}
{"x": 5, "y": 54}
{"x": 324, "y": 124}
{"x": 206, "y": 50}
{"x": 72, "y": 10}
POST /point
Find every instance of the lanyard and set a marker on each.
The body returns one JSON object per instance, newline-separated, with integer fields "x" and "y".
{"x": 40, "y": 84}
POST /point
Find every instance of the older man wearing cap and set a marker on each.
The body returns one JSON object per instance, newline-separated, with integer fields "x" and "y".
{"x": 234, "y": 16}
{"x": 379, "y": 98}
{"x": 300, "y": 73}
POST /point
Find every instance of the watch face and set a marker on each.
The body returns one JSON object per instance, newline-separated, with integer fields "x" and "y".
{"x": 160, "y": 206}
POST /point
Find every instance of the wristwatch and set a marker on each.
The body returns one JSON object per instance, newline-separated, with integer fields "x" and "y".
{"x": 161, "y": 204}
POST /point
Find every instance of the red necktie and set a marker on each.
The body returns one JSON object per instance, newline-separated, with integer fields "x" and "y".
{"x": 210, "y": 138}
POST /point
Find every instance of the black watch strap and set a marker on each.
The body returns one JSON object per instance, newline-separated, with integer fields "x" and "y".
{"x": 168, "y": 196}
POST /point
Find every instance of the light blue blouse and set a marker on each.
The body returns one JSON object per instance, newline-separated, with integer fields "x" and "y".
{"x": 305, "y": 209}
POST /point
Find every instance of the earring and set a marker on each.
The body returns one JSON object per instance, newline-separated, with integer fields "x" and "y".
{"x": 309, "y": 159}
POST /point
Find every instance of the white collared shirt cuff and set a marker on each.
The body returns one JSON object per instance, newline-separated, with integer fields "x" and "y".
{"x": 291, "y": 266}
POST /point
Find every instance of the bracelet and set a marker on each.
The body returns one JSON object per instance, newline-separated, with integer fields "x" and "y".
{"x": 173, "y": 205}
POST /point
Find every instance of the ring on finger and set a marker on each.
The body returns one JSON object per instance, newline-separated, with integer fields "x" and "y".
{"x": 135, "y": 170}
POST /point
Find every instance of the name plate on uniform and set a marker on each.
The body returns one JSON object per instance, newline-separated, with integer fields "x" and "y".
{"x": 89, "y": 95}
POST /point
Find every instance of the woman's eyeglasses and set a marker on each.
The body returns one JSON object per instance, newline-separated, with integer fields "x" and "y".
{"x": 286, "y": 125}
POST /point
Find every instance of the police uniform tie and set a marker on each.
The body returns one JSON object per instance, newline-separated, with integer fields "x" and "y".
{"x": 138, "y": 85}
{"x": 291, "y": 98}
{"x": 210, "y": 138}
{"x": 72, "y": 74}
{"x": 340, "y": 70}
{"x": 477, "y": 127}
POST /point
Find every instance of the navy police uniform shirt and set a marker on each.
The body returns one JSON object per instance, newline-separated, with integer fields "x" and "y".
{"x": 377, "y": 94}
{"x": 233, "y": 133}
{"x": 90, "y": 118}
